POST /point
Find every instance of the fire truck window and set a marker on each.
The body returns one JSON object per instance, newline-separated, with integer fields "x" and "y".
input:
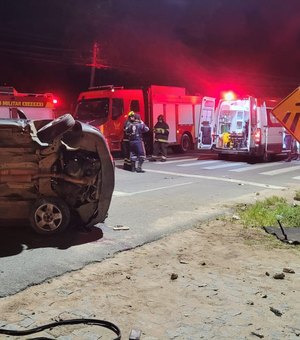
{"x": 135, "y": 106}
{"x": 93, "y": 109}
{"x": 117, "y": 108}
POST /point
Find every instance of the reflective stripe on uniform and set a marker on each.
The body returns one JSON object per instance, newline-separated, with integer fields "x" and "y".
{"x": 161, "y": 140}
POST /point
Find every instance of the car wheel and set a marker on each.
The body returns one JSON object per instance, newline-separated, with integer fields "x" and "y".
{"x": 55, "y": 128}
{"x": 49, "y": 215}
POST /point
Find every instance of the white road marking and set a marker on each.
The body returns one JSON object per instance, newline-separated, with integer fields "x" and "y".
{"x": 119, "y": 193}
{"x": 175, "y": 161}
{"x": 198, "y": 163}
{"x": 281, "y": 171}
{"x": 122, "y": 194}
{"x": 220, "y": 166}
{"x": 297, "y": 177}
{"x": 181, "y": 157}
{"x": 221, "y": 179}
{"x": 253, "y": 167}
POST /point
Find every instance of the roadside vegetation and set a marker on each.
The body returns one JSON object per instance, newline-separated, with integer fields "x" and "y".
{"x": 269, "y": 211}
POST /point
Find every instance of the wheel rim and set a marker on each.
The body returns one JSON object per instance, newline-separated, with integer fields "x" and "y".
{"x": 185, "y": 142}
{"x": 48, "y": 217}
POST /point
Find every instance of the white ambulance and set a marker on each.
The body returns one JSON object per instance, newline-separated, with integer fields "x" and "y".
{"x": 247, "y": 127}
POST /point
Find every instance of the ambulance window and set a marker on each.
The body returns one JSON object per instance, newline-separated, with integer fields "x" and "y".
{"x": 135, "y": 106}
{"x": 239, "y": 125}
{"x": 206, "y": 115}
{"x": 272, "y": 120}
{"x": 117, "y": 108}
{"x": 240, "y": 115}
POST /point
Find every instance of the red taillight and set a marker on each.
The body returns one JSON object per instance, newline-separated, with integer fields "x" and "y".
{"x": 257, "y": 136}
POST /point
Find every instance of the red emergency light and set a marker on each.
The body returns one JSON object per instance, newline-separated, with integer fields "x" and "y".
{"x": 55, "y": 101}
{"x": 229, "y": 95}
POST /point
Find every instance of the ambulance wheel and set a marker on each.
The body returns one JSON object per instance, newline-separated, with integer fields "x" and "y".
{"x": 49, "y": 215}
{"x": 55, "y": 128}
{"x": 222, "y": 156}
{"x": 266, "y": 157}
{"x": 185, "y": 143}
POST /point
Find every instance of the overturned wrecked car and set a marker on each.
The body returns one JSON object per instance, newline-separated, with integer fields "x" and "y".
{"x": 54, "y": 174}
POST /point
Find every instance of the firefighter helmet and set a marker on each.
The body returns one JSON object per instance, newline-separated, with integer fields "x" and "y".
{"x": 131, "y": 113}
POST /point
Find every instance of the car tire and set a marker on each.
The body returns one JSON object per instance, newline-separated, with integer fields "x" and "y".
{"x": 185, "y": 143}
{"x": 55, "y": 128}
{"x": 49, "y": 215}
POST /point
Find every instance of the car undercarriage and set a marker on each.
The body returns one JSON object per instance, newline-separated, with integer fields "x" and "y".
{"x": 54, "y": 173}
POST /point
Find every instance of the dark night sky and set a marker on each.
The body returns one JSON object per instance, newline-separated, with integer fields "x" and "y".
{"x": 250, "y": 46}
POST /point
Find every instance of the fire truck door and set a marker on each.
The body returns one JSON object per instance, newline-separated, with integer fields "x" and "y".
{"x": 205, "y": 119}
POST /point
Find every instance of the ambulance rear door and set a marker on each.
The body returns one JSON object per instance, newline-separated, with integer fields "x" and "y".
{"x": 274, "y": 137}
{"x": 204, "y": 122}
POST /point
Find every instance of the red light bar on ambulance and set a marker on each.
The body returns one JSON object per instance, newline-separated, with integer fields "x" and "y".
{"x": 229, "y": 95}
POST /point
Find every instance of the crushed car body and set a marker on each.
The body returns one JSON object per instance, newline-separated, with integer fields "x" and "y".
{"x": 54, "y": 174}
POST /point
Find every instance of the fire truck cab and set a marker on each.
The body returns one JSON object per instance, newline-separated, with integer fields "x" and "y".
{"x": 247, "y": 127}
{"x": 106, "y": 107}
{"x": 29, "y": 105}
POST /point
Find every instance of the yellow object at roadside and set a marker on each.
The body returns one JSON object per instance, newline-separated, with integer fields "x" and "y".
{"x": 226, "y": 138}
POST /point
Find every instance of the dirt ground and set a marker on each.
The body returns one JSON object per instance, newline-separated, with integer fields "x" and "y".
{"x": 214, "y": 281}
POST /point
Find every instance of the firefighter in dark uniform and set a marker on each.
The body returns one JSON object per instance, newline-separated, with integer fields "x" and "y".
{"x": 135, "y": 130}
{"x": 125, "y": 144}
{"x": 161, "y": 135}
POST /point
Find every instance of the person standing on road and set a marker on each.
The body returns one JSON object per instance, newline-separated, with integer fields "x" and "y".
{"x": 161, "y": 135}
{"x": 288, "y": 139}
{"x": 126, "y": 145}
{"x": 135, "y": 130}
{"x": 297, "y": 150}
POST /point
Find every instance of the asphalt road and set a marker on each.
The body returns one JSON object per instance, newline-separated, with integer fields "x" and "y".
{"x": 166, "y": 198}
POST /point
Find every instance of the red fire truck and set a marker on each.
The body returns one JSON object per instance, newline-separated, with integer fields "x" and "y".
{"x": 106, "y": 107}
{"x": 247, "y": 127}
{"x": 33, "y": 106}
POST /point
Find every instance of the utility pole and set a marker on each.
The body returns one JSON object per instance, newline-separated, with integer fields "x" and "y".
{"x": 94, "y": 63}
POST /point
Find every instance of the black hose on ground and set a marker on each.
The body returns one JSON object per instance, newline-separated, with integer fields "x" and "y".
{"x": 101, "y": 323}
